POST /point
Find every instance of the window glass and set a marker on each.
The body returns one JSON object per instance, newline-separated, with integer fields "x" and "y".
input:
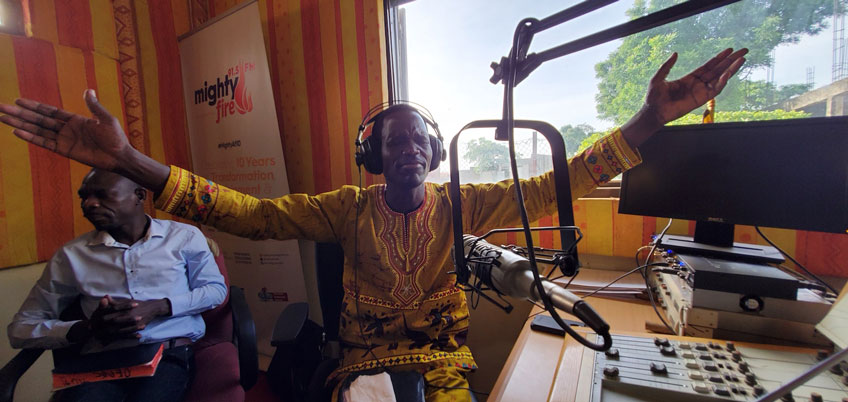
{"x": 797, "y": 61}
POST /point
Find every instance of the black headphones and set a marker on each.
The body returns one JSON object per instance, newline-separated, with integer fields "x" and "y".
{"x": 368, "y": 152}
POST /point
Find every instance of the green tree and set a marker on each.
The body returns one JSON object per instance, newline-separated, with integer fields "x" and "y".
{"x": 743, "y": 115}
{"x": 759, "y": 25}
{"x": 486, "y": 155}
{"x": 573, "y": 136}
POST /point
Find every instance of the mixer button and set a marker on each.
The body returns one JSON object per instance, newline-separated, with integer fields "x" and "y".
{"x": 750, "y": 378}
{"x": 701, "y": 387}
{"x": 720, "y": 390}
{"x": 696, "y": 375}
{"x": 736, "y": 356}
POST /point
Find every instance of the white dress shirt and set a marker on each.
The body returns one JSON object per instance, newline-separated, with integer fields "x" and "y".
{"x": 171, "y": 261}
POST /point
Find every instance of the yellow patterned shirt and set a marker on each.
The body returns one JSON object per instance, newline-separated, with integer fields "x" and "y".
{"x": 409, "y": 312}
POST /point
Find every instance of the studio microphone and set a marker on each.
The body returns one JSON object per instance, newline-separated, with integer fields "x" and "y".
{"x": 510, "y": 274}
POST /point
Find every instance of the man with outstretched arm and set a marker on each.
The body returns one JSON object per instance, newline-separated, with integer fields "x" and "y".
{"x": 401, "y": 309}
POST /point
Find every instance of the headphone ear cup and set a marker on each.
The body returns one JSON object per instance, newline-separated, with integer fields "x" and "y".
{"x": 370, "y": 160}
{"x": 438, "y": 152}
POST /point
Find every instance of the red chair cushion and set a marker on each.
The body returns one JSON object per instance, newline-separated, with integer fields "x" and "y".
{"x": 217, "y": 375}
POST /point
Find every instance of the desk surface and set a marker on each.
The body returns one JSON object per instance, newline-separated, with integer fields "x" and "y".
{"x": 537, "y": 364}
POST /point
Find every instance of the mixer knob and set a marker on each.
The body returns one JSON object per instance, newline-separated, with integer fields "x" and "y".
{"x": 816, "y": 397}
{"x": 836, "y": 370}
{"x": 658, "y": 368}
{"x": 743, "y": 367}
{"x": 821, "y": 355}
{"x": 736, "y": 356}
{"x": 612, "y": 352}
{"x": 730, "y": 346}
{"x": 750, "y": 378}
{"x": 759, "y": 390}
{"x": 611, "y": 371}
{"x": 787, "y": 398}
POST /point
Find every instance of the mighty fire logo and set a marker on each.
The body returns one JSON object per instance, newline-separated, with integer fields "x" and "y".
{"x": 228, "y": 94}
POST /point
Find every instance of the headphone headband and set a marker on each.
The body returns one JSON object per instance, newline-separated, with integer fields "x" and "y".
{"x": 377, "y": 110}
{"x": 369, "y": 157}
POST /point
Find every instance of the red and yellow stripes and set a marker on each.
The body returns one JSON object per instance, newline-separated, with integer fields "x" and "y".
{"x": 323, "y": 82}
{"x": 17, "y": 210}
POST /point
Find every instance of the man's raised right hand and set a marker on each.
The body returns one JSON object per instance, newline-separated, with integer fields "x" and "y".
{"x": 99, "y": 142}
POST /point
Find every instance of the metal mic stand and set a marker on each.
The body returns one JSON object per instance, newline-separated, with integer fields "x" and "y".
{"x": 515, "y": 68}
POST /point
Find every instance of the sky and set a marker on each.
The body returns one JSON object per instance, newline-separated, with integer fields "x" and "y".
{"x": 452, "y": 42}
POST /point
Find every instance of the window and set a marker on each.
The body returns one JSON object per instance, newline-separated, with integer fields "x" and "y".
{"x": 797, "y": 67}
{"x": 12, "y": 19}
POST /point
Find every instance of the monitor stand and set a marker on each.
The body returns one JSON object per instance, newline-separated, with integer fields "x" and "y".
{"x": 715, "y": 239}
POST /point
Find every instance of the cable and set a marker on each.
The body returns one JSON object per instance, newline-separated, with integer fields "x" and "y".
{"x": 509, "y": 84}
{"x": 798, "y": 264}
{"x": 622, "y": 276}
{"x": 639, "y": 250}
{"x": 598, "y": 289}
{"x": 645, "y": 275}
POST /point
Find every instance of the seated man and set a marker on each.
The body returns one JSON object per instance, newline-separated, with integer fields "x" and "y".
{"x": 140, "y": 280}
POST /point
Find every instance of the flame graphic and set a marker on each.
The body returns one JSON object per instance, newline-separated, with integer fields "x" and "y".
{"x": 244, "y": 102}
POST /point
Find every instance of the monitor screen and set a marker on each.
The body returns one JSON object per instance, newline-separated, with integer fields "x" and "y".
{"x": 783, "y": 173}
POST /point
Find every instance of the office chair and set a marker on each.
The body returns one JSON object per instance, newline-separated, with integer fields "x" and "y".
{"x": 226, "y": 357}
{"x": 305, "y": 352}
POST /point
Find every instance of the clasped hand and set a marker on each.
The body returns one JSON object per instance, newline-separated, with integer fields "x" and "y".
{"x": 124, "y": 318}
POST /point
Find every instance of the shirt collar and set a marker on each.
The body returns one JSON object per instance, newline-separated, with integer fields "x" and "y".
{"x": 102, "y": 237}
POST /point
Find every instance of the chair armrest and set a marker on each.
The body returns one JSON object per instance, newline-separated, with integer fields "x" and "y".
{"x": 14, "y": 369}
{"x": 244, "y": 337}
{"x": 289, "y": 324}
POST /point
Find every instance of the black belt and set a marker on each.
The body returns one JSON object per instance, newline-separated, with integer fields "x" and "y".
{"x": 177, "y": 342}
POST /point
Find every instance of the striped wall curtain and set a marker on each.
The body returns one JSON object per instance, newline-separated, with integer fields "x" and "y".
{"x": 327, "y": 65}
{"x": 123, "y": 49}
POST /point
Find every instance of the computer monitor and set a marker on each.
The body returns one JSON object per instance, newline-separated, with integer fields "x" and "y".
{"x": 782, "y": 173}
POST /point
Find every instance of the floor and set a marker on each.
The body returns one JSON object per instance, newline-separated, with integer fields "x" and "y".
{"x": 261, "y": 392}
